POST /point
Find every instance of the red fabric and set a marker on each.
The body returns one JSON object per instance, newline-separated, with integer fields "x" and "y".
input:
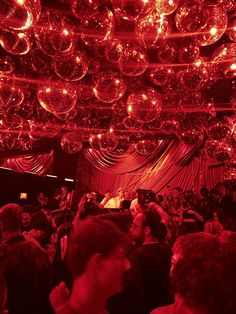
{"x": 173, "y": 163}
{"x": 40, "y": 164}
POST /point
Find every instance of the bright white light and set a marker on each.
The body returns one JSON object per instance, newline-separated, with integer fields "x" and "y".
{"x": 69, "y": 180}
{"x": 213, "y": 30}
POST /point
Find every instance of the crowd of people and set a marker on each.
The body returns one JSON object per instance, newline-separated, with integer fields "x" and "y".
{"x": 166, "y": 253}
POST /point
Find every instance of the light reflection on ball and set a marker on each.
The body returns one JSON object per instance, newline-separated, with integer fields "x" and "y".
{"x": 109, "y": 86}
{"x": 71, "y": 142}
{"x": 144, "y": 105}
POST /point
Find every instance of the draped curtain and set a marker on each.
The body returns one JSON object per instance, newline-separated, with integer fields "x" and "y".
{"x": 172, "y": 163}
{"x": 40, "y": 164}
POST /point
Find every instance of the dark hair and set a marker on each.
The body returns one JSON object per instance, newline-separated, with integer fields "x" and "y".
{"x": 11, "y": 217}
{"x": 152, "y": 220}
{"x": 57, "y": 192}
{"x": 193, "y": 242}
{"x": 204, "y": 192}
{"x": 207, "y": 281}
{"x": 122, "y": 220}
{"x": 39, "y": 221}
{"x": 92, "y": 235}
{"x": 28, "y": 208}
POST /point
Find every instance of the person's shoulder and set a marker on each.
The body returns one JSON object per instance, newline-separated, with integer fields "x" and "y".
{"x": 168, "y": 309}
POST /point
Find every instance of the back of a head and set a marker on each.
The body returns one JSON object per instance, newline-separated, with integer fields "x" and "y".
{"x": 91, "y": 236}
{"x": 11, "y": 217}
{"x": 228, "y": 239}
{"x": 152, "y": 220}
{"x": 207, "y": 281}
{"x": 193, "y": 242}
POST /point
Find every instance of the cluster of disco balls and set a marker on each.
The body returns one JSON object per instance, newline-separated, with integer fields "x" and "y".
{"x": 115, "y": 73}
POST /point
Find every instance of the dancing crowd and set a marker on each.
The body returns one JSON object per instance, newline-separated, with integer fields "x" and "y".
{"x": 134, "y": 253}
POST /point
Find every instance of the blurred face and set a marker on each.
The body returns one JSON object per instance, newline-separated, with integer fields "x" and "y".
{"x": 136, "y": 230}
{"x": 26, "y": 219}
{"x": 175, "y": 193}
{"x": 112, "y": 271}
{"x": 126, "y": 195}
{"x": 120, "y": 193}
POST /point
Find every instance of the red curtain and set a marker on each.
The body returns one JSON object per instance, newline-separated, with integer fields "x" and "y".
{"x": 172, "y": 163}
{"x": 40, "y": 164}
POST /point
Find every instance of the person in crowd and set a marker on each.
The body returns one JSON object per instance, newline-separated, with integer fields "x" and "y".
{"x": 185, "y": 246}
{"x": 152, "y": 259}
{"x": 106, "y": 198}
{"x": 114, "y": 202}
{"x": 125, "y": 204}
{"x": 96, "y": 262}
{"x": 42, "y": 201}
{"x": 228, "y": 239}
{"x": 228, "y": 206}
{"x": 151, "y": 204}
{"x": 54, "y": 201}
{"x": 160, "y": 200}
{"x": 40, "y": 234}
{"x": 204, "y": 283}
{"x": 190, "y": 218}
{"x": 65, "y": 199}
{"x": 25, "y": 267}
{"x": 27, "y": 211}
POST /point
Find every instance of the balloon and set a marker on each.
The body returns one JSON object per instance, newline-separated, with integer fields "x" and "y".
{"x": 152, "y": 30}
{"x": 131, "y": 124}
{"x": 171, "y": 99}
{"x": 53, "y": 34}
{"x": 219, "y": 129}
{"x": 15, "y": 43}
{"x": 115, "y": 51}
{"x": 57, "y": 98}
{"x": 166, "y": 7}
{"x": 93, "y": 65}
{"x": 161, "y": 75}
{"x": 229, "y": 5}
{"x": 223, "y": 151}
{"x": 191, "y": 136}
{"x": 68, "y": 115}
{"x": 7, "y": 64}
{"x": 191, "y": 100}
{"x": 71, "y": 142}
{"x": 144, "y": 105}
{"x": 210, "y": 146}
{"x": 146, "y": 147}
{"x": 122, "y": 146}
{"x": 132, "y": 9}
{"x": 103, "y": 141}
{"x": 10, "y": 96}
{"x": 215, "y": 28}
{"x": 36, "y": 62}
{"x": 191, "y": 18}
{"x": 231, "y": 30}
{"x": 193, "y": 77}
{"x": 224, "y": 61}
{"x": 83, "y": 8}
{"x": 188, "y": 51}
{"x": 229, "y": 179}
{"x": 18, "y": 15}
{"x": 119, "y": 108}
{"x": 109, "y": 86}
{"x": 98, "y": 27}
{"x": 72, "y": 67}
{"x": 169, "y": 123}
{"x": 211, "y": 2}
{"x": 135, "y": 62}
{"x": 90, "y": 122}
{"x": 166, "y": 52}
